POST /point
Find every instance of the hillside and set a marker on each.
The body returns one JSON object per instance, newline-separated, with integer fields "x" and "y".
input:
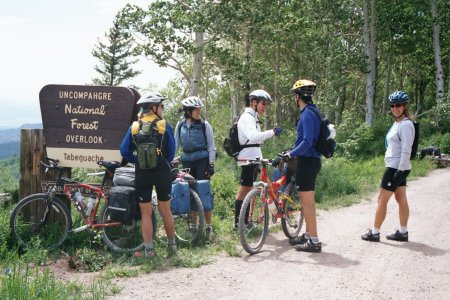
{"x": 10, "y": 140}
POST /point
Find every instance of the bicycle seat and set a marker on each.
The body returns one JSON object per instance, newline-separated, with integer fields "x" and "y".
{"x": 110, "y": 165}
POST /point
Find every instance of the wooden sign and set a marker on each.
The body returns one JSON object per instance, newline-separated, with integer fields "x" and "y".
{"x": 85, "y": 124}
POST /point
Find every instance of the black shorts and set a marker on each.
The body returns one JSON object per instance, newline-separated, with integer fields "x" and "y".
{"x": 307, "y": 170}
{"x": 198, "y": 168}
{"x": 248, "y": 174}
{"x": 388, "y": 183}
{"x": 147, "y": 179}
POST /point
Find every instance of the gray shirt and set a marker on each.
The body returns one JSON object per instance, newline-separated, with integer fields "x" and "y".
{"x": 399, "y": 141}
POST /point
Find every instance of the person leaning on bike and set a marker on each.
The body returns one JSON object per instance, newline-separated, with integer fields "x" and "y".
{"x": 308, "y": 163}
{"x": 399, "y": 141}
{"x": 151, "y": 137}
{"x": 250, "y": 137}
{"x": 195, "y": 136}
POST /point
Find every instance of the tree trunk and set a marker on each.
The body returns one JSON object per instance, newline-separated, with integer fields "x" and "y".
{"x": 234, "y": 99}
{"x": 448, "y": 91}
{"x": 198, "y": 64}
{"x": 276, "y": 90}
{"x": 387, "y": 83}
{"x": 437, "y": 54}
{"x": 370, "y": 52}
{"x": 340, "y": 105}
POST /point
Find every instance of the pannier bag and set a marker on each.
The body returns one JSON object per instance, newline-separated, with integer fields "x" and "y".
{"x": 180, "y": 198}
{"x": 122, "y": 204}
{"x": 124, "y": 176}
{"x": 203, "y": 189}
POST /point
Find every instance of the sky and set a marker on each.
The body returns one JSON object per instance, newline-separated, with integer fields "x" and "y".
{"x": 50, "y": 42}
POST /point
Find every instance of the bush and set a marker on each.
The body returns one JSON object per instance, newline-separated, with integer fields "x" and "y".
{"x": 441, "y": 140}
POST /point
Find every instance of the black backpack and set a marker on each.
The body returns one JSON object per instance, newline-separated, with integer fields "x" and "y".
{"x": 415, "y": 145}
{"x": 231, "y": 143}
{"x": 324, "y": 145}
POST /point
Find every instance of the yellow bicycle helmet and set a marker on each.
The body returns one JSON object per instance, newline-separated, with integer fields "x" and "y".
{"x": 304, "y": 87}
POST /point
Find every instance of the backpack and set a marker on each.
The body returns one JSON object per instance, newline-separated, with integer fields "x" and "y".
{"x": 325, "y": 145}
{"x": 231, "y": 143}
{"x": 415, "y": 145}
{"x": 149, "y": 145}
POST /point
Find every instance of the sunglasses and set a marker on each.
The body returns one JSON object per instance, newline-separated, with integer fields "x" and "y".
{"x": 396, "y": 105}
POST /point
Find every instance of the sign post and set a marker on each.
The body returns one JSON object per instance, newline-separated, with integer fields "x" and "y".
{"x": 85, "y": 124}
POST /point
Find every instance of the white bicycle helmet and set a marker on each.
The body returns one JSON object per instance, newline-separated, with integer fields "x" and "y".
{"x": 192, "y": 102}
{"x": 151, "y": 98}
{"x": 260, "y": 95}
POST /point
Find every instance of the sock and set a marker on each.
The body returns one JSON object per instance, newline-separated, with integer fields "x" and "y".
{"x": 307, "y": 235}
{"x": 315, "y": 240}
{"x": 237, "y": 210}
{"x": 148, "y": 246}
{"x": 375, "y": 230}
{"x": 403, "y": 229}
{"x": 171, "y": 242}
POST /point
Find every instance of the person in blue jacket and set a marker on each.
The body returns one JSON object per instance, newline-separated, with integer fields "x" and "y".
{"x": 308, "y": 163}
{"x": 151, "y": 110}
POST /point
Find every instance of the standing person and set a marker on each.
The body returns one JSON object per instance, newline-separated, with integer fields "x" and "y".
{"x": 308, "y": 163}
{"x": 152, "y": 139}
{"x": 251, "y": 137}
{"x": 195, "y": 136}
{"x": 399, "y": 140}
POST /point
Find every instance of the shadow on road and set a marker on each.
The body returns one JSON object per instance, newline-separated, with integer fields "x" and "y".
{"x": 276, "y": 249}
{"x": 419, "y": 247}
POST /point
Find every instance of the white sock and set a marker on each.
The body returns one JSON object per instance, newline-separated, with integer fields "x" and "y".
{"x": 403, "y": 229}
{"x": 375, "y": 230}
{"x": 315, "y": 240}
{"x": 307, "y": 235}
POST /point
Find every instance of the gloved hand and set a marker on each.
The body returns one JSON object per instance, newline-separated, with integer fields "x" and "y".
{"x": 211, "y": 170}
{"x": 276, "y": 162}
{"x": 398, "y": 176}
{"x": 286, "y": 155}
{"x": 278, "y": 130}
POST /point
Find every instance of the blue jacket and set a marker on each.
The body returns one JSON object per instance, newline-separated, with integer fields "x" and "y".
{"x": 308, "y": 130}
{"x": 193, "y": 141}
{"x": 128, "y": 146}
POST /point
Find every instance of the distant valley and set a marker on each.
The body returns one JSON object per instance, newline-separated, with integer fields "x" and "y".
{"x": 10, "y": 140}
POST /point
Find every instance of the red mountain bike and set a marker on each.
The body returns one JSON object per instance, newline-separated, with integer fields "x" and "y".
{"x": 255, "y": 214}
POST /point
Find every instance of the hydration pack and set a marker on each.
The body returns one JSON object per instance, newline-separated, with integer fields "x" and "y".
{"x": 149, "y": 145}
{"x": 325, "y": 144}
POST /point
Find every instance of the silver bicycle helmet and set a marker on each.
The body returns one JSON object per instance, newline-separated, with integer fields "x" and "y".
{"x": 260, "y": 95}
{"x": 151, "y": 98}
{"x": 192, "y": 102}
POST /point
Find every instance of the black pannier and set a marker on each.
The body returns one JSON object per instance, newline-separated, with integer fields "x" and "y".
{"x": 122, "y": 204}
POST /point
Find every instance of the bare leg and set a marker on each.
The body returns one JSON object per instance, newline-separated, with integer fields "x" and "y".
{"x": 146, "y": 218}
{"x": 380, "y": 215}
{"x": 164, "y": 208}
{"x": 403, "y": 207}
{"x": 309, "y": 209}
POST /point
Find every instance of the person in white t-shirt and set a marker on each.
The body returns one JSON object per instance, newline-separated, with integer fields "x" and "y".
{"x": 399, "y": 141}
{"x": 251, "y": 137}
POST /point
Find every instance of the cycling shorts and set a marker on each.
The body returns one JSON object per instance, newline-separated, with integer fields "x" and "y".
{"x": 248, "y": 174}
{"x": 388, "y": 183}
{"x": 147, "y": 179}
{"x": 307, "y": 170}
{"x": 198, "y": 168}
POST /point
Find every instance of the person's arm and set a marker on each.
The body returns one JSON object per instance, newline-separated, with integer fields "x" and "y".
{"x": 177, "y": 137}
{"x": 307, "y": 142}
{"x": 171, "y": 142}
{"x": 248, "y": 134}
{"x": 127, "y": 147}
{"x": 210, "y": 142}
{"x": 406, "y": 134}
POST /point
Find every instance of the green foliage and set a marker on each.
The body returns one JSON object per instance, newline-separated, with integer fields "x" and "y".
{"x": 9, "y": 175}
{"x": 89, "y": 260}
{"x": 441, "y": 140}
{"x": 4, "y": 232}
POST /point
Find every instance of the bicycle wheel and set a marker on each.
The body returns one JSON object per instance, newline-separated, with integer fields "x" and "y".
{"x": 292, "y": 220}
{"x": 34, "y": 223}
{"x": 187, "y": 229}
{"x": 254, "y": 225}
{"x": 123, "y": 237}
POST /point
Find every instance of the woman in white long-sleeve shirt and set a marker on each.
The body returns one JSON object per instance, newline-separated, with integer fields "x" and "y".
{"x": 397, "y": 158}
{"x": 251, "y": 137}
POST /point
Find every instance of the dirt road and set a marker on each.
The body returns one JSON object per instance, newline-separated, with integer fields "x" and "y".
{"x": 348, "y": 268}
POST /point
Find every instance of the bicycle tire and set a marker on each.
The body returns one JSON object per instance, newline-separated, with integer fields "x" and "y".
{"x": 123, "y": 238}
{"x": 26, "y": 218}
{"x": 292, "y": 221}
{"x": 253, "y": 233}
{"x": 185, "y": 229}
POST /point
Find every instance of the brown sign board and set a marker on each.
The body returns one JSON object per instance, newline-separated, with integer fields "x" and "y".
{"x": 84, "y": 124}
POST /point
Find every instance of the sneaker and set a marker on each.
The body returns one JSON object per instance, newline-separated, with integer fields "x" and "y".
{"x": 309, "y": 246}
{"x": 369, "y": 236}
{"x": 298, "y": 240}
{"x": 171, "y": 251}
{"x": 397, "y": 236}
{"x": 144, "y": 253}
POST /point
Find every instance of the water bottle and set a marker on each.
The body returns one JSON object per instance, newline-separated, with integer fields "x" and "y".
{"x": 272, "y": 207}
{"x": 90, "y": 204}
{"x": 79, "y": 200}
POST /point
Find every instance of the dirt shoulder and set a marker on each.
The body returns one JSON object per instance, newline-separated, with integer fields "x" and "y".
{"x": 347, "y": 268}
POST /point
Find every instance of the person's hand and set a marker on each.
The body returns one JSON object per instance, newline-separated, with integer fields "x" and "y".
{"x": 278, "y": 130}
{"x": 211, "y": 170}
{"x": 286, "y": 155}
{"x": 276, "y": 162}
{"x": 398, "y": 176}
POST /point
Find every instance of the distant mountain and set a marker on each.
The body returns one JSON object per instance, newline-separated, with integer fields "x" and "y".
{"x": 10, "y": 140}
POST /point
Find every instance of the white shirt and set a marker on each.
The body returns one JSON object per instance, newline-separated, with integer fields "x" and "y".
{"x": 249, "y": 132}
{"x": 399, "y": 141}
